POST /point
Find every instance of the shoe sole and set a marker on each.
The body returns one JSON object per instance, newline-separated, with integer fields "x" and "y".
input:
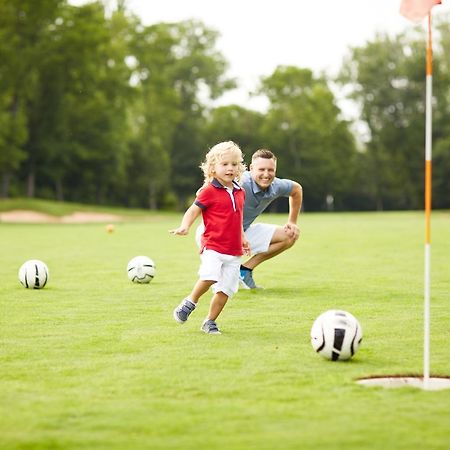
{"x": 243, "y": 285}
{"x": 209, "y": 332}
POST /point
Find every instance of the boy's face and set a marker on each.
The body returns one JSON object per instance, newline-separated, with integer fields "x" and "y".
{"x": 226, "y": 170}
{"x": 263, "y": 171}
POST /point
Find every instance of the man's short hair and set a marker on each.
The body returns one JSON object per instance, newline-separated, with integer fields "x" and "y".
{"x": 263, "y": 153}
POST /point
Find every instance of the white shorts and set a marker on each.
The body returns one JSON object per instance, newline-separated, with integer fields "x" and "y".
{"x": 258, "y": 235}
{"x": 224, "y": 269}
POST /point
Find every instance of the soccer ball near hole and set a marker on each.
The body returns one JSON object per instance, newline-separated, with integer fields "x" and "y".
{"x": 33, "y": 274}
{"x": 336, "y": 335}
{"x": 141, "y": 269}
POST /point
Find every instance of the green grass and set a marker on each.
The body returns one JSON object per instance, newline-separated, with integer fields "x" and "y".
{"x": 93, "y": 361}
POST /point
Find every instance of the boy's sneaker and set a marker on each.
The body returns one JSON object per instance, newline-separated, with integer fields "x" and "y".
{"x": 182, "y": 311}
{"x": 210, "y": 327}
{"x": 246, "y": 280}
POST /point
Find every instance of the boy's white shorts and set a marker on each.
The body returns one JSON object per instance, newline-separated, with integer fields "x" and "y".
{"x": 224, "y": 269}
{"x": 258, "y": 235}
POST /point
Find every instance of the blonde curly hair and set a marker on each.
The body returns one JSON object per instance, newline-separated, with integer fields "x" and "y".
{"x": 217, "y": 154}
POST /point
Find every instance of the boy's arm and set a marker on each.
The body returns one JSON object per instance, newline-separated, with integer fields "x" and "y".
{"x": 188, "y": 219}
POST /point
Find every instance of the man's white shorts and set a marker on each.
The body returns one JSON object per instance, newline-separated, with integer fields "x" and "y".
{"x": 258, "y": 235}
{"x": 224, "y": 269}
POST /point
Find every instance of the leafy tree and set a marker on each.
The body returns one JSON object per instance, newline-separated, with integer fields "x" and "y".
{"x": 154, "y": 115}
{"x": 77, "y": 122}
{"x": 387, "y": 80}
{"x": 303, "y": 127}
{"x": 176, "y": 68}
{"x": 13, "y": 134}
{"x": 96, "y": 107}
{"x": 199, "y": 76}
{"x": 441, "y": 114}
{"x": 23, "y": 32}
{"x": 238, "y": 124}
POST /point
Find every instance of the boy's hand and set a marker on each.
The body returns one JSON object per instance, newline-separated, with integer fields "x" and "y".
{"x": 182, "y": 231}
{"x": 246, "y": 247}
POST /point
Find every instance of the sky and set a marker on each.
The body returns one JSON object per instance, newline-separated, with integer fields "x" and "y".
{"x": 256, "y": 36}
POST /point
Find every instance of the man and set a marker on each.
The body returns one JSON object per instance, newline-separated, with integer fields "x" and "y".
{"x": 262, "y": 188}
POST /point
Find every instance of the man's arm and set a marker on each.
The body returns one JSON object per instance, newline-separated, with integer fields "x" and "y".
{"x": 295, "y": 204}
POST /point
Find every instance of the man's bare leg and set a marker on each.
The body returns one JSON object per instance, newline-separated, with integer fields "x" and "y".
{"x": 280, "y": 242}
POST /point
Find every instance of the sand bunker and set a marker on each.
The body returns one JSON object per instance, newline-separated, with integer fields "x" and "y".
{"x": 22, "y": 216}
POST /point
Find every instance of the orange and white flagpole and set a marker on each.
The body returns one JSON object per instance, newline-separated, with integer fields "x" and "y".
{"x": 416, "y": 10}
{"x": 428, "y": 166}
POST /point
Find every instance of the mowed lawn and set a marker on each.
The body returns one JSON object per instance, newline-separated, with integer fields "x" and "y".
{"x": 93, "y": 361}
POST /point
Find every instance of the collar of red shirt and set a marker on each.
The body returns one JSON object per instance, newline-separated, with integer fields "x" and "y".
{"x": 216, "y": 183}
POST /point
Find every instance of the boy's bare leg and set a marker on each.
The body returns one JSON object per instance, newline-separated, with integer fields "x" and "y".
{"x": 185, "y": 308}
{"x": 217, "y": 304}
{"x": 199, "y": 289}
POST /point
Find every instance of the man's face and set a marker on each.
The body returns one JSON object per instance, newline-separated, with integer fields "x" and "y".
{"x": 263, "y": 171}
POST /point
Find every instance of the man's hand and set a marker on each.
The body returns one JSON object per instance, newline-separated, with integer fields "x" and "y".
{"x": 292, "y": 230}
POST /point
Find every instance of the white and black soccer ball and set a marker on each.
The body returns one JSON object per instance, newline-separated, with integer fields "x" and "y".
{"x": 336, "y": 335}
{"x": 141, "y": 269}
{"x": 33, "y": 274}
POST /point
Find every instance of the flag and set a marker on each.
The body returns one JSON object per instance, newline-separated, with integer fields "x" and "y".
{"x": 416, "y": 10}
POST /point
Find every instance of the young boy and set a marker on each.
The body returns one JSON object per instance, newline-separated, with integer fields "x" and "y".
{"x": 220, "y": 201}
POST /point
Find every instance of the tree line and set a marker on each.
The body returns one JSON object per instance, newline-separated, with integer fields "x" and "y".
{"x": 96, "y": 107}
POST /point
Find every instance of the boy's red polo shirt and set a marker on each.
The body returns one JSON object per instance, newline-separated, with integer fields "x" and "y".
{"x": 222, "y": 219}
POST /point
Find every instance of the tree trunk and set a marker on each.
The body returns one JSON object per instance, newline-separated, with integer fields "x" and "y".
{"x": 30, "y": 184}
{"x": 59, "y": 190}
{"x": 152, "y": 203}
{"x": 6, "y": 178}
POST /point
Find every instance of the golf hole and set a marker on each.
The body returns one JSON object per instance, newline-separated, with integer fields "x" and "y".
{"x": 396, "y": 381}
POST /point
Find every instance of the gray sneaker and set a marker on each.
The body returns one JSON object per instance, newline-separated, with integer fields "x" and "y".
{"x": 210, "y": 327}
{"x": 182, "y": 311}
{"x": 246, "y": 280}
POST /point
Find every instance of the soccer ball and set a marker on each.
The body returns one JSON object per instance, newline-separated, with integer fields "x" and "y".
{"x": 141, "y": 269}
{"x": 336, "y": 335}
{"x": 33, "y": 274}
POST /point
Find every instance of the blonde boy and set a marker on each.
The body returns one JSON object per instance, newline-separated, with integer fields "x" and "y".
{"x": 220, "y": 201}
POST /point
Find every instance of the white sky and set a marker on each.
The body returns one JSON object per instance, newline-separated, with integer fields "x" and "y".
{"x": 259, "y": 35}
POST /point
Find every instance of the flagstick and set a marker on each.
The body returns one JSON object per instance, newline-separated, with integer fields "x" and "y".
{"x": 428, "y": 160}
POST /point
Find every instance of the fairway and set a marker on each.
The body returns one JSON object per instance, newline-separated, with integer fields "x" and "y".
{"x": 93, "y": 361}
